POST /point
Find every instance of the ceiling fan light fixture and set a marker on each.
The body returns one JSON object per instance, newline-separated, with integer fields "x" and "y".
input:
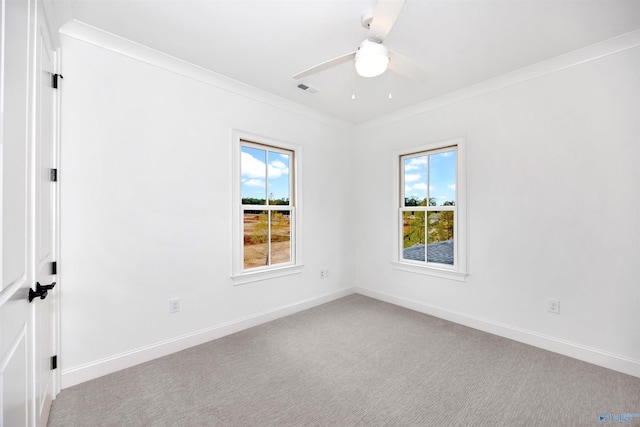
{"x": 372, "y": 59}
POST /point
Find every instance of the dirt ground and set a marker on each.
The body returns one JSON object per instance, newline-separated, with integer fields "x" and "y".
{"x": 255, "y": 240}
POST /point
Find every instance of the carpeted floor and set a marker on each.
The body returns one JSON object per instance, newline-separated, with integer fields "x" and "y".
{"x": 354, "y": 362}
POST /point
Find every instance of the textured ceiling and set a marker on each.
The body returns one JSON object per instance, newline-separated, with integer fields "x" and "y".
{"x": 264, "y": 42}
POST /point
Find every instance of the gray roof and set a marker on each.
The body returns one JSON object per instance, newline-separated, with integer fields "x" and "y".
{"x": 441, "y": 252}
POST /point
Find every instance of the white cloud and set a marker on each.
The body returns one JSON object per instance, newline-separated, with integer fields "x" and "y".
{"x": 431, "y": 188}
{"x": 451, "y": 186}
{"x": 254, "y": 183}
{"x": 420, "y": 186}
{"x": 252, "y": 167}
{"x": 410, "y": 177}
{"x": 255, "y": 168}
{"x": 277, "y": 169}
{"x": 278, "y": 164}
{"x": 416, "y": 163}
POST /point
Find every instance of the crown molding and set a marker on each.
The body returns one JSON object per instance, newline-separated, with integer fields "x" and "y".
{"x": 112, "y": 42}
{"x": 98, "y": 37}
{"x": 589, "y": 53}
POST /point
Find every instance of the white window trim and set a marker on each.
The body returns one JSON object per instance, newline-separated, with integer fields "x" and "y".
{"x": 238, "y": 274}
{"x": 459, "y": 270}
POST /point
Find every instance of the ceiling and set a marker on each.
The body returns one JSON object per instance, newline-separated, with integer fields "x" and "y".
{"x": 264, "y": 42}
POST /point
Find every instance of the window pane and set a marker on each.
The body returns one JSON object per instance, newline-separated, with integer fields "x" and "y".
{"x": 440, "y": 237}
{"x": 256, "y": 236}
{"x": 278, "y": 177}
{"x": 442, "y": 179}
{"x": 413, "y": 247}
{"x": 415, "y": 181}
{"x": 253, "y": 166}
{"x": 280, "y": 237}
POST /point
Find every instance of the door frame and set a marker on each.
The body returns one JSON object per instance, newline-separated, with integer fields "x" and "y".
{"x": 45, "y": 23}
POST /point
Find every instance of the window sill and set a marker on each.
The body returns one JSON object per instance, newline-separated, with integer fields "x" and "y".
{"x": 255, "y": 276}
{"x": 430, "y": 271}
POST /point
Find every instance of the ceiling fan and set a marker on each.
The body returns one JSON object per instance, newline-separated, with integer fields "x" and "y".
{"x": 372, "y": 57}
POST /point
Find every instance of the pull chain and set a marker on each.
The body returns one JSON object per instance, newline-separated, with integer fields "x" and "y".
{"x": 353, "y": 82}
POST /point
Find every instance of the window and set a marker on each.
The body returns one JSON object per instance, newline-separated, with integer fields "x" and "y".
{"x": 265, "y": 221}
{"x": 430, "y": 224}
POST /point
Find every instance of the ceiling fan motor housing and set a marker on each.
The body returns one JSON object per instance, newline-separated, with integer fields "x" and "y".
{"x": 365, "y": 21}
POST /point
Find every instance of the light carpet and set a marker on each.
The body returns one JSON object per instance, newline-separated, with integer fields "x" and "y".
{"x": 355, "y": 361}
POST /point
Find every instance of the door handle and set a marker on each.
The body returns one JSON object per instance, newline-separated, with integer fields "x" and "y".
{"x": 41, "y": 291}
{"x": 45, "y": 287}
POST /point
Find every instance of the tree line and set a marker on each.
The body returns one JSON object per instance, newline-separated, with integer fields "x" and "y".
{"x": 414, "y": 201}
{"x": 283, "y": 201}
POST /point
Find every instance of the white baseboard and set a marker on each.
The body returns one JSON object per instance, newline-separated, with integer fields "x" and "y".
{"x": 577, "y": 351}
{"x": 89, "y": 371}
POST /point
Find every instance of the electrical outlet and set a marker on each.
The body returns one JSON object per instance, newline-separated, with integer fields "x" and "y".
{"x": 553, "y": 305}
{"x": 174, "y": 305}
{"x": 324, "y": 273}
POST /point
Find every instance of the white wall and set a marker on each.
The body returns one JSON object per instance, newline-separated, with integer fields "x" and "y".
{"x": 553, "y": 206}
{"x": 145, "y": 195}
{"x": 553, "y": 209}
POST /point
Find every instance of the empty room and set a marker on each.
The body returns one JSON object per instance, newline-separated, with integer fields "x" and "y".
{"x": 319, "y": 212}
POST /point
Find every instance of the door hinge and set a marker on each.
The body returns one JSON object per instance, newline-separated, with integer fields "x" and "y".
{"x": 54, "y": 80}
{"x": 54, "y": 362}
{"x": 54, "y": 267}
{"x": 53, "y": 175}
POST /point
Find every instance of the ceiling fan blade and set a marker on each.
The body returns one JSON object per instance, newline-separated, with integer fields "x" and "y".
{"x": 385, "y": 15}
{"x": 406, "y": 67}
{"x": 325, "y": 65}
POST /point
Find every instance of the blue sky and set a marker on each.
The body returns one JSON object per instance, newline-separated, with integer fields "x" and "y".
{"x": 439, "y": 184}
{"x": 254, "y": 166}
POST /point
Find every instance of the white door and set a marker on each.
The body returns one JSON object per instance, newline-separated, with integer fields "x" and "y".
{"x": 15, "y": 312}
{"x": 27, "y": 206}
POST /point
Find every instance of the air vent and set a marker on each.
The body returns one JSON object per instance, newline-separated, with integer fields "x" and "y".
{"x": 307, "y": 88}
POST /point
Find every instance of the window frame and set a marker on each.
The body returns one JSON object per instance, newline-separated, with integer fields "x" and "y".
{"x": 457, "y": 271}
{"x": 239, "y": 274}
